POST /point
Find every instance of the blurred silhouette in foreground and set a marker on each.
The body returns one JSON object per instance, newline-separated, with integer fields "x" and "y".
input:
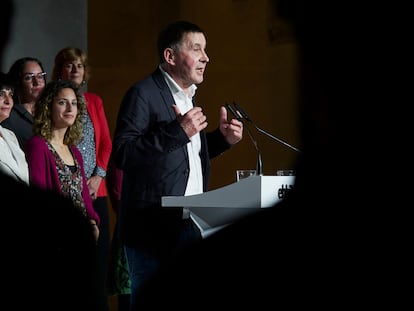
{"x": 328, "y": 244}
{"x": 48, "y": 248}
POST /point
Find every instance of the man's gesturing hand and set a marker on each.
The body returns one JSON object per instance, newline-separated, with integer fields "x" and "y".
{"x": 193, "y": 121}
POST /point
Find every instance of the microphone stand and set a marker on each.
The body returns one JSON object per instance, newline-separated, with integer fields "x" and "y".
{"x": 260, "y": 130}
{"x": 259, "y": 165}
{"x": 275, "y": 138}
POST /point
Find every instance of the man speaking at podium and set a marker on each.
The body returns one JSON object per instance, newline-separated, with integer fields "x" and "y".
{"x": 161, "y": 146}
{"x": 340, "y": 240}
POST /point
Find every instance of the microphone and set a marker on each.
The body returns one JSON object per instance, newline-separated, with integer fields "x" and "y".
{"x": 245, "y": 116}
{"x": 259, "y": 165}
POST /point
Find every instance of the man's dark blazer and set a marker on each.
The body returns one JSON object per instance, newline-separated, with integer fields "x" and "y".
{"x": 150, "y": 147}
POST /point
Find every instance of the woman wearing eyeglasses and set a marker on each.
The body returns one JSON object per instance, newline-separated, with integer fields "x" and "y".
{"x": 29, "y": 78}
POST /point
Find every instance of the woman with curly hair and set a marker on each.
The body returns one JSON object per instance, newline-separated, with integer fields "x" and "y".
{"x": 55, "y": 163}
{"x": 71, "y": 63}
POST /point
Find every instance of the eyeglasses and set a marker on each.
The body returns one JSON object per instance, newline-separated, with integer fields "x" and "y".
{"x": 38, "y": 76}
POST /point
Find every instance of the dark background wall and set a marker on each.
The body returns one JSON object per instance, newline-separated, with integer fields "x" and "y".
{"x": 41, "y": 28}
